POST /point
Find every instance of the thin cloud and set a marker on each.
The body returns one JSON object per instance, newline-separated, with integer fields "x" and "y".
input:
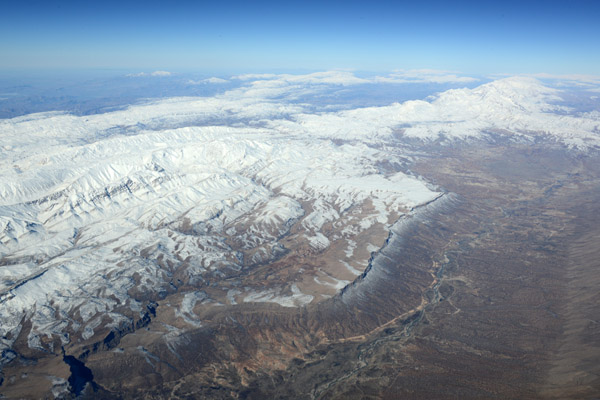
{"x": 155, "y": 73}
{"x": 343, "y": 78}
{"x": 212, "y": 80}
{"x": 346, "y": 78}
{"x": 424, "y": 76}
{"x": 584, "y": 80}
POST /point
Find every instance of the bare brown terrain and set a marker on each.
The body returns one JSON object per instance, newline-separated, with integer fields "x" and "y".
{"x": 489, "y": 292}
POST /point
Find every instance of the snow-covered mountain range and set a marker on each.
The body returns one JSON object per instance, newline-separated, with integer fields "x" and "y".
{"x": 183, "y": 198}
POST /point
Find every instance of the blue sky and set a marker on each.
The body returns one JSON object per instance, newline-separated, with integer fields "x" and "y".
{"x": 472, "y": 37}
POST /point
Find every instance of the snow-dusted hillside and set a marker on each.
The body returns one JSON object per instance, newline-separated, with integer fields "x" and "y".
{"x": 102, "y": 213}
